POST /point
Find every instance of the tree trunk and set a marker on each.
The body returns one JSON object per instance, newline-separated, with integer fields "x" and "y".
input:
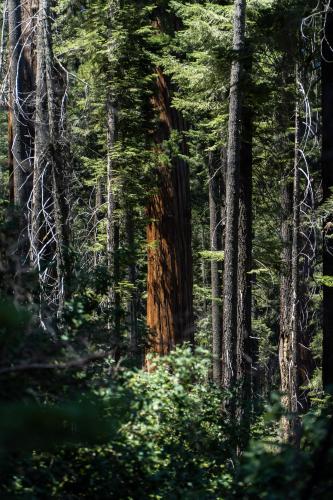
{"x": 289, "y": 313}
{"x": 285, "y": 292}
{"x": 41, "y": 152}
{"x": 133, "y": 299}
{"x": 230, "y": 286}
{"x": 215, "y": 267}
{"x": 246, "y": 345}
{"x": 17, "y": 102}
{"x": 49, "y": 226}
{"x": 169, "y": 302}
{"x": 10, "y": 152}
{"x": 97, "y": 218}
{"x": 112, "y": 228}
{"x": 327, "y": 182}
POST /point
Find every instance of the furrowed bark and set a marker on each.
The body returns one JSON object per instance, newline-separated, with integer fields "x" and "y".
{"x": 21, "y": 109}
{"x": 246, "y": 345}
{"x": 230, "y": 286}
{"x": 16, "y": 100}
{"x": 169, "y": 302}
{"x": 289, "y": 313}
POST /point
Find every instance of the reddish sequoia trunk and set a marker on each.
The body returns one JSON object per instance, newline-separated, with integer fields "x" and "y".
{"x": 169, "y": 302}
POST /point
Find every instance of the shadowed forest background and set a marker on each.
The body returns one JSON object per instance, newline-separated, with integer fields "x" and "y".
{"x": 166, "y": 249}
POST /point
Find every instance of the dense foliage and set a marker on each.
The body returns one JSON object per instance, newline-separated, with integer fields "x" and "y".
{"x": 135, "y": 93}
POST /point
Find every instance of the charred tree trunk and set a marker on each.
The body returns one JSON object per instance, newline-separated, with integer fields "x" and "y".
{"x": 215, "y": 267}
{"x": 169, "y": 302}
{"x": 327, "y": 180}
{"x": 230, "y": 286}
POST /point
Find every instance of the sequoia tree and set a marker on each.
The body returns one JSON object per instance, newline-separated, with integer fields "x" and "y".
{"x": 169, "y": 278}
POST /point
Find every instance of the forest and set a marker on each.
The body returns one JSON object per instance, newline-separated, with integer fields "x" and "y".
{"x": 166, "y": 249}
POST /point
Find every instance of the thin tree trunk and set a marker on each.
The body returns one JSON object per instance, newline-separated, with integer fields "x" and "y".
{"x": 203, "y": 267}
{"x": 10, "y": 153}
{"x": 246, "y": 345}
{"x": 41, "y": 150}
{"x": 230, "y": 288}
{"x": 327, "y": 180}
{"x": 16, "y": 81}
{"x": 133, "y": 300}
{"x": 97, "y": 217}
{"x": 285, "y": 295}
{"x": 289, "y": 325}
{"x": 112, "y": 227}
{"x": 215, "y": 268}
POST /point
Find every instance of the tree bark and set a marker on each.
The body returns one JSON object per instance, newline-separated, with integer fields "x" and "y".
{"x": 246, "y": 345}
{"x": 215, "y": 267}
{"x": 327, "y": 182}
{"x": 112, "y": 228}
{"x": 18, "y": 117}
{"x": 230, "y": 286}
{"x": 169, "y": 302}
{"x": 21, "y": 84}
{"x": 289, "y": 313}
{"x": 133, "y": 299}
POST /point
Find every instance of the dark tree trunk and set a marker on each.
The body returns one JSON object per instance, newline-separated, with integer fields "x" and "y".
{"x": 169, "y": 302}
{"x": 113, "y": 227}
{"x": 17, "y": 101}
{"x": 133, "y": 299}
{"x": 215, "y": 266}
{"x": 289, "y": 312}
{"x": 10, "y": 154}
{"x": 246, "y": 345}
{"x": 230, "y": 285}
{"x": 41, "y": 149}
{"x": 21, "y": 109}
{"x": 285, "y": 289}
{"x": 327, "y": 181}
{"x": 97, "y": 218}
{"x": 203, "y": 266}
